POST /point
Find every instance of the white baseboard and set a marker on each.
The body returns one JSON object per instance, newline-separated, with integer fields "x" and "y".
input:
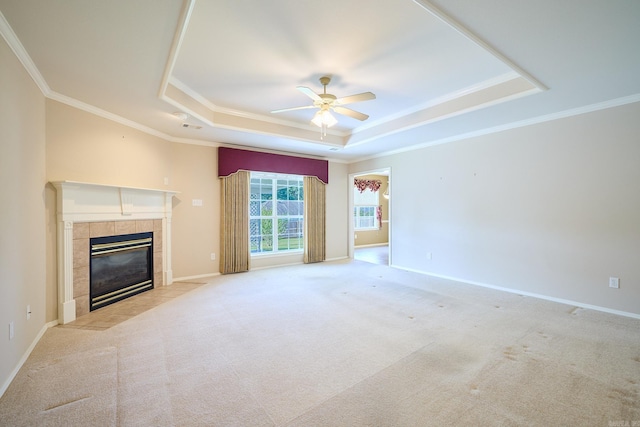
{"x": 26, "y": 355}
{"x": 199, "y": 276}
{"x": 342, "y": 258}
{"x": 526, "y": 293}
{"x": 298, "y": 263}
{"x": 264, "y": 267}
{"x": 373, "y": 245}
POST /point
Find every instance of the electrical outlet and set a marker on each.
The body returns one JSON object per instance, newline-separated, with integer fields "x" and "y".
{"x": 213, "y": 256}
{"x": 28, "y": 312}
{"x": 196, "y": 202}
{"x": 11, "y": 331}
{"x": 614, "y": 282}
{"x": 166, "y": 180}
{"x": 429, "y": 256}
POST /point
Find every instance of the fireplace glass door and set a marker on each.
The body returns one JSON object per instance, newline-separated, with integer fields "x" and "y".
{"x": 121, "y": 266}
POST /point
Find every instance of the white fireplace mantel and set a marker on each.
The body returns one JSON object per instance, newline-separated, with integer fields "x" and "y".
{"x": 85, "y": 202}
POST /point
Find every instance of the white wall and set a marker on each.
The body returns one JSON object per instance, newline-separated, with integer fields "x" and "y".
{"x": 22, "y": 212}
{"x": 550, "y": 209}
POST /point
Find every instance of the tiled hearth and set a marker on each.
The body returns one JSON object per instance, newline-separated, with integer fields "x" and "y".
{"x": 83, "y": 231}
{"x": 87, "y": 210}
{"x": 114, "y": 314}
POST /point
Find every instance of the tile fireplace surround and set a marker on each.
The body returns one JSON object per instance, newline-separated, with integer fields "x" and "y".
{"x": 94, "y": 210}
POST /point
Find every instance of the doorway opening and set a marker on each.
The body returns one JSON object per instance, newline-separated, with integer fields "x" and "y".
{"x": 370, "y": 213}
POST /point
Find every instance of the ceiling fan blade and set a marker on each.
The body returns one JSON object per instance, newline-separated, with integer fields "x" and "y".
{"x": 293, "y": 109}
{"x": 365, "y": 96}
{"x": 311, "y": 94}
{"x": 351, "y": 113}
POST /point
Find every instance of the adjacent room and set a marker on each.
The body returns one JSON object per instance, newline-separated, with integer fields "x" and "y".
{"x": 332, "y": 213}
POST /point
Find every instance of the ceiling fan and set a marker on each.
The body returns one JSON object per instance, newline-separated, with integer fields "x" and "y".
{"x": 326, "y": 102}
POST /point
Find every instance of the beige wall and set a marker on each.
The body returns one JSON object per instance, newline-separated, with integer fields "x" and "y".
{"x": 338, "y": 211}
{"x": 84, "y": 147}
{"x": 87, "y": 148}
{"x": 551, "y": 209}
{"x": 379, "y": 236}
{"x": 196, "y": 229}
{"x": 22, "y": 212}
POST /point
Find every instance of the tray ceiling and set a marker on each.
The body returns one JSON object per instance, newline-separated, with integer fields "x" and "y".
{"x": 440, "y": 70}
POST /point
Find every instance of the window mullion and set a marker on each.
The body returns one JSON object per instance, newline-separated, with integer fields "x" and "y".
{"x": 274, "y": 215}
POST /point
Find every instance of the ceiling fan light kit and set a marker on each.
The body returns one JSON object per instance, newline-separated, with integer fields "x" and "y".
{"x": 324, "y": 117}
{"x": 327, "y": 102}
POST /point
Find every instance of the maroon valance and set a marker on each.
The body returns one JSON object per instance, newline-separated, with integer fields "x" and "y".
{"x": 231, "y": 160}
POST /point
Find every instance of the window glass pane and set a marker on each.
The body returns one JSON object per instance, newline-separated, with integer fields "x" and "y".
{"x": 254, "y": 208}
{"x": 266, "y": 208}
{"x": 254, "y": 227}
{"x": 289, "y": 233}
{"x": 276, "y": 209}
{"x": 255, "y": 190}
{"x": 254, "y": 235}
{"x": 283, "y": 209}
{"x": 254, "y": 243}
{"x": 282, "y": 228}
{"x": 282, "y": 189}
{"x": 364, "y": 217}
{"x": 266, "y": 189}
{"x": 266, "y": 227}
{"x": 267, "y": 244}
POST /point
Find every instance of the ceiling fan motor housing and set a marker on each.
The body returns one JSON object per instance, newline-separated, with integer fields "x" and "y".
{"x": 325, "y": 99}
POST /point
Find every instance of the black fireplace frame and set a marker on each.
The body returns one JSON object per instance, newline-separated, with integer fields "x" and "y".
{"x": 100, "y": 247}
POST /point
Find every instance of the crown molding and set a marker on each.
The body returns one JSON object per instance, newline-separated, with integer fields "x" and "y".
{"x": 617, "y": 102}
{"x": 441, "y": 100}
{"x": 178, "y": 37}
{"x": 447, "y": 19}
{"x": 483, "y": 97}
{"x": 21, "y": 53}
{"x": 106, "y": 114}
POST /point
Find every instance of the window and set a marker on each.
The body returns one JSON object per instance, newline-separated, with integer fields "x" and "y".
{"x": 364, "y": 209}
{"x": 276, "y": 211}
{"x": 364, "y": 217}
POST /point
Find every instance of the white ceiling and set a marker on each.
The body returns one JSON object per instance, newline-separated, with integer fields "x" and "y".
{"x": 440, "y": 69}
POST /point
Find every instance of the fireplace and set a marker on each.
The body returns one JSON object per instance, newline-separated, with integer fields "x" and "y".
{"x": 120, "y": 267}
{"x": 86, "y": 211}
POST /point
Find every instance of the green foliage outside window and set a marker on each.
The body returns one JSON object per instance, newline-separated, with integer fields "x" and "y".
{"x": 275, "y": 199}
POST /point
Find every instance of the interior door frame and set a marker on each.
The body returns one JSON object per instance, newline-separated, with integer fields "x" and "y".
{"x": 351, "y": 231}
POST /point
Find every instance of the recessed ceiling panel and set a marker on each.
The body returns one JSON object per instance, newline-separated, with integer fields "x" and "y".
{"x": 250, "y": 56}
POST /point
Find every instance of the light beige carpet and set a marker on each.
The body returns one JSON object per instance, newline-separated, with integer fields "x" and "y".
{"x": 337, "y": 344}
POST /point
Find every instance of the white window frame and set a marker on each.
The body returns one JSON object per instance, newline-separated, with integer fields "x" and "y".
{"x": 364, "y": 200}
{"x": 254, "y": 240}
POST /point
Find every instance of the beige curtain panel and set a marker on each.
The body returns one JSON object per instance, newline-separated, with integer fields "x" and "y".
{"x": 314, "y": 220}
{"x": 234, "y": 233}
